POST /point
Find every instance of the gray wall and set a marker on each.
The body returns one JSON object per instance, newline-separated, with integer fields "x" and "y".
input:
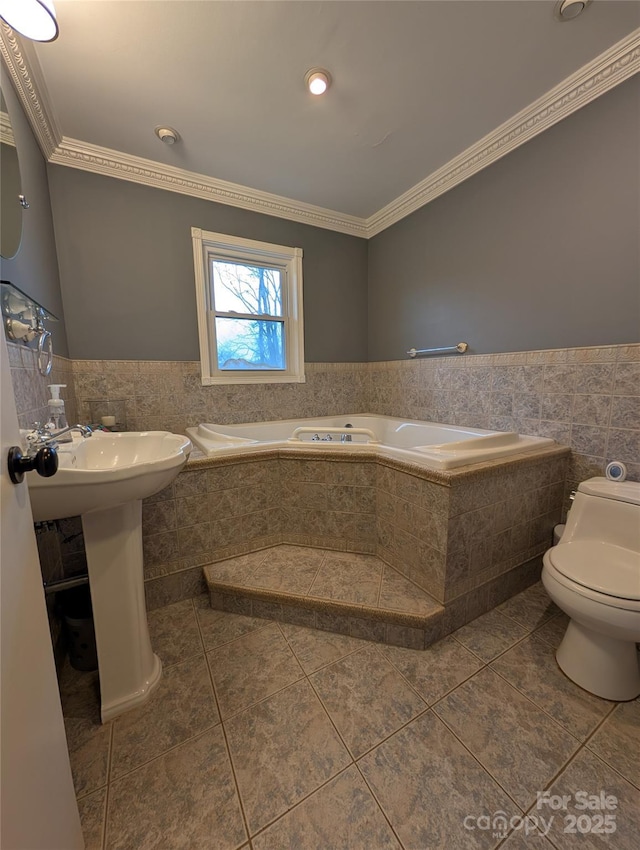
{"x": 126, "y": 263}
{"x": 34, "y": 269}
{"x": 540, "y": 250}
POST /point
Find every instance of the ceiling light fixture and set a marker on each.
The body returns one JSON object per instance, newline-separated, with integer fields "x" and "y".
{"x": 317, "y": 80}
{"x": 567, "y": 10}
{"x": 35, "y": 19}
{"x": 167, "y": 135}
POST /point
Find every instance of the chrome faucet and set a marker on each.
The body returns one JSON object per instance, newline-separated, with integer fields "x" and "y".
{"x": 40, "y": 436}
{"x": 84, "y": 430}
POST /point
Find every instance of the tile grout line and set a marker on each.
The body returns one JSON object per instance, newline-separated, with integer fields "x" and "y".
{"x": 268, "y": 696}
{"x": 244, "y": 634}
{"x": 487, "y": 665}
{"x": 224, "y": 735}
{"x": 317, "y": 573}
{"x": 520, "y": 808}
{"x": 380, "y": 579}
{"x": 530, "y": 634}
{"x": 300, "y": 802}
{"x": 421, "y": 713}
{"x": 112, "y": 779}
{"x": 563, "y": 769}
{"x": 401, "y": 674}
{"x": 105, "y": 823}
{"x": 495, "y": 657}
{"x": 446, "y": 693}
{"x": 592, "y": 734}
{"x": 324, "y": 666}
{"x": 354, "y": 762}
{"x": 327, "y": 781}
{"x": 326, "y": 711}
{"x": 503, "y": 676}
{"x": 188, "y": 740}
{"x": 386, "y": 738}
{"x": 199, "y": 630}
{"x": 379, "y": 804}
{"x": 582, "y": 746}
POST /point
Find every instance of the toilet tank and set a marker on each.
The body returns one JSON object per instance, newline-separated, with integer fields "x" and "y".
{"x": 607, "y": 511}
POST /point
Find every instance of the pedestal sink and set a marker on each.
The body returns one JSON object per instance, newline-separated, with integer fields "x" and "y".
{"x": 103, "y": 478}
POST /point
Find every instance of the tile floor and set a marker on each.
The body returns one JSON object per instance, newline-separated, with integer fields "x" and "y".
{"x": 276, "y": 737}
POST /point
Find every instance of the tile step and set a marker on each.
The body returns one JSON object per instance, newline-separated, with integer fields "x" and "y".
{"x": 342, "y": 592}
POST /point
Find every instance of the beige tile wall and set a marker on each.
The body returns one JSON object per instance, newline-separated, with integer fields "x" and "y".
{"x": 30, "y": 387}
{"x": 329, "y": 504}
{"x": 411, "y": 527}
{"x": 147, "y": 395}
{"x": 209, "y": 514}
{"x": 585, "y": 398}
{"x": 451, "y": 540}
{"x": 501, "y": 520}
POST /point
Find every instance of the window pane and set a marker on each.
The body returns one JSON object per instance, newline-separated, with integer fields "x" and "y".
{"x": 238, "y": 288}
{"x": 249, "y": 344}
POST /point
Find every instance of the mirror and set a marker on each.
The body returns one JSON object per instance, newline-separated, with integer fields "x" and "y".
{"x": 11, "y": 198}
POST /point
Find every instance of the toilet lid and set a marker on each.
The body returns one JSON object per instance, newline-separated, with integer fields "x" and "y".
{"x": 609, "y": 569}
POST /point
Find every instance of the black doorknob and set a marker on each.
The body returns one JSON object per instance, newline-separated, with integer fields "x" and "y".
{"x": 45, "y": 463}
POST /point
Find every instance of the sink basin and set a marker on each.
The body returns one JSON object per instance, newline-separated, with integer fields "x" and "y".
{"x": 104, "y": 478}
{"x": 106, "y": 470}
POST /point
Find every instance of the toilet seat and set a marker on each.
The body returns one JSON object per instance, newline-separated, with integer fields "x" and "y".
{"x": 604, "y": 567}
{"x": 632, "y": 605}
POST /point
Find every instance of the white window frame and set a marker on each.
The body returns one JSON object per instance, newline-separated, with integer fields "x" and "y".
{"x": 208, "y": 246}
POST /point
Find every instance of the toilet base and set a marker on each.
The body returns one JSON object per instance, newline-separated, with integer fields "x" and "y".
{"x": 602, "y": 665}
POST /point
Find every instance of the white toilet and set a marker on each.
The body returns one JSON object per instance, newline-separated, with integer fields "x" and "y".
{"x": 593, "y": 574}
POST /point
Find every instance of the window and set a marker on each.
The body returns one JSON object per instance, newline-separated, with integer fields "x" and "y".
{"x": 249, "y": 297}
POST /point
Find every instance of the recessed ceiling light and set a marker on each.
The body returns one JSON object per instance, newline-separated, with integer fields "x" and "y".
{"x": 35, "y": 19}
{"x": 567, "y": 10}
{"x": 317, "y": 80}
{"x": 167, "y": 135}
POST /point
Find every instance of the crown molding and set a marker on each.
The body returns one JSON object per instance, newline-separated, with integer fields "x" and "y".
{"x": 26, "y": 76}
{"x": 596, "y": 78}
{"x": 99, "y": 160}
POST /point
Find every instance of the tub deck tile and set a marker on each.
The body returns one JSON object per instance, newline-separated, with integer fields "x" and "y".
{"x": 390, "y": 609}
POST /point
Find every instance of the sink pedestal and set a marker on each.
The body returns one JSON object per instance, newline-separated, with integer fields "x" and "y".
{"x": 129, "y": 670}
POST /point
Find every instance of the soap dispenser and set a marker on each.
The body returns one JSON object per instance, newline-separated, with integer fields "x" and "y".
{"x": 57, "y": 418}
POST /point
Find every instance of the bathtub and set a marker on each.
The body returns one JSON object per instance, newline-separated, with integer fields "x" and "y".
{"x": 424, "y": 443}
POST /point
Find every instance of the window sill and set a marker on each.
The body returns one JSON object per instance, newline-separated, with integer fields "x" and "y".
{"x": 254, "y": 378}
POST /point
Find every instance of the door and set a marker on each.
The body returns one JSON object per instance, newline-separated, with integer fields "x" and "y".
{"x": 38, "y": 803}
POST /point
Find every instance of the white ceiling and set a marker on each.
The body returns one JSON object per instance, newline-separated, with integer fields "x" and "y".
{"x": 414, "y": 84}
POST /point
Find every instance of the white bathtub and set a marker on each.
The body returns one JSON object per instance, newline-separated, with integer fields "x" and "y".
{"x": 425, "y": 443}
